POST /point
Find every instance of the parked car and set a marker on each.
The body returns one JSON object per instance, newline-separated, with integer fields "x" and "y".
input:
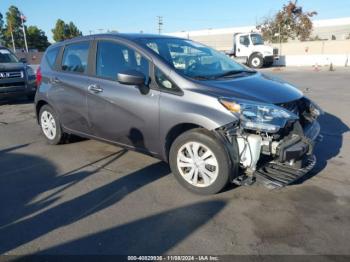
{"x": 213, "y": 120}
{"x": 16, "y": 77}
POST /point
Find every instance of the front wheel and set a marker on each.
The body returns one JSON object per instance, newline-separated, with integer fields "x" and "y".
{"x": 199, "y": 162}
{"x": 256, "y": 61}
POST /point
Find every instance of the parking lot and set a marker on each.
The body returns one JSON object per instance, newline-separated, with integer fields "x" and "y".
{"x": 91, "y": 198}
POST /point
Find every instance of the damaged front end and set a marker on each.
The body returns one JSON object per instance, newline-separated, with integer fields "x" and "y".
{"x": 275, "y": 142}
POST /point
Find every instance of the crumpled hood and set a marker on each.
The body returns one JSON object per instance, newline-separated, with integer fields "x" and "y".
{"x": 257, "y": 87}
{"x": 11, "y": 66}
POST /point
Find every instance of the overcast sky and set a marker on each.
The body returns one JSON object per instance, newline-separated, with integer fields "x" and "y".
{"x": 178, "y": 15}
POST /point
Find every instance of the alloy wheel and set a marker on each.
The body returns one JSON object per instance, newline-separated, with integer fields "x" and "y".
{"x": 48, "y": 125}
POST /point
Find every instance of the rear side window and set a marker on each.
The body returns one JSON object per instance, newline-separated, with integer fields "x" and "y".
{"x": 75, "y": 57}
{"x": 51, "y": 56}
{"x": 113, "y": 58}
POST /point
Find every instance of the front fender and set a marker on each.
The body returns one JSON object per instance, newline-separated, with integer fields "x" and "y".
{"x": 191, "y": 109}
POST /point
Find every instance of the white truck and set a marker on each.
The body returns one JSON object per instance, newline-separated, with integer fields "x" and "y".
{"x": 250, "y": 49}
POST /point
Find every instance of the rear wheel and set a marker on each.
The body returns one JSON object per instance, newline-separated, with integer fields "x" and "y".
{"x": 50, "y": 126}
{"x": 256, "y": 61}
{"x": 199, "y": 162}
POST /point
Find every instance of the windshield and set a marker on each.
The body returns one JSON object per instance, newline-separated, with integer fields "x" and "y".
{"x": 7, "y": 57}
{"x": 193, "y": 59}
{"x": 257, "y": 39}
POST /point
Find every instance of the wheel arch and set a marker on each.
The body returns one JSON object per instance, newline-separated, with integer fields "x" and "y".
{"x": 256, "y": 53}
{"x": 38, "y": 106}
{"x": 174, "y": 133}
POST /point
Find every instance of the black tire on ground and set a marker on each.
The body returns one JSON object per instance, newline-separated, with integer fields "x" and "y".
{"x": 256, "y": 61}
{"x": 216, "y": 146}
{"x": 60, "y": 136}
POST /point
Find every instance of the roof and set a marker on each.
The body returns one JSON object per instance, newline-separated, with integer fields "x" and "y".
{"x": 130, "y": 37}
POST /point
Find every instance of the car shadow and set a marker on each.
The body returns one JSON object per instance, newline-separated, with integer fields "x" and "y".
{"x": 31, "y": 188}
{"x": 332, "y": 130}
{"x": 154, "y": 234}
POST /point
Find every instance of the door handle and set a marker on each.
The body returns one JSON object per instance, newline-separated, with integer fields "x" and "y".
{"x": 95, "y": 88}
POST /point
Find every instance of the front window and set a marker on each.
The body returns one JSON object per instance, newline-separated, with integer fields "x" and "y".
{"x": 257, "y": 39}
{"x": 7, "y": 57}
{"x": 113, "y": 58}
{"x": 192, "y": 59}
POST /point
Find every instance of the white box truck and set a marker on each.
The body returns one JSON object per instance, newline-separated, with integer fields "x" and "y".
{"x": 250, "y": 49}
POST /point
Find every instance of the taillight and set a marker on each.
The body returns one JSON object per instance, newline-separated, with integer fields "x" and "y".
{"x": 39, "y": 77}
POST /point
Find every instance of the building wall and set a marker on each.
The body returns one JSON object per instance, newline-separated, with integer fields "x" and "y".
{"x": 222, "y": 38}
{"x": 314, "y": 47}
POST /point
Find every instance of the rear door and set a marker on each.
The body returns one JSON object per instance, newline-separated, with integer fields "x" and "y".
{"x": 71, "y": 85}
{"x": 117, "y": 112}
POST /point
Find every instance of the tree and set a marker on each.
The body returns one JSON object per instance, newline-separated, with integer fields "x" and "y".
{"x": 14, "y": 25}
{"x": 59, "y": 31}
{"x": 2, "y": 30}
{"x": 36, "y": 38}
{"x": 72, "y": 30}
{"x": 289, "y": 23}
{"x": 63, "y": 31}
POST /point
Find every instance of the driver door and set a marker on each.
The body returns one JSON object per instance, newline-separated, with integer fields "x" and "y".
{"x": 243, "y": 44}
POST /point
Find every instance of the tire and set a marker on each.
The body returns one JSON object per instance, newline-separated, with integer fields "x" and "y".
{"x": 218, "y": 164}
{"x": 256, "y": 61}
{"x": 50, "y": 126}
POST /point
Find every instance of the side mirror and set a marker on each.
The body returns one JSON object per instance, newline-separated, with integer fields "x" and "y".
{"x": 135, "y": 78}
{"x": 131, "y": 77}
{"x": 23, "y": 60}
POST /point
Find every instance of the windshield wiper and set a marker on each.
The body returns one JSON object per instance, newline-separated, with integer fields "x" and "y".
{"x": 202, "y": 77}
{"x": 235, "y": 72}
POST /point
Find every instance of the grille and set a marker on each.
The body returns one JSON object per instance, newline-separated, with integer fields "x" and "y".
{"x": 10, "y": 75}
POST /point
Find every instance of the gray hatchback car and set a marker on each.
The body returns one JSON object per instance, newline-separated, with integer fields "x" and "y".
{"x": 213, "y": 120}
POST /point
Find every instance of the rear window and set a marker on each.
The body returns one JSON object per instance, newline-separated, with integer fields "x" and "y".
{"x": 75, "y": 57}
{"x": 51, "y": 56}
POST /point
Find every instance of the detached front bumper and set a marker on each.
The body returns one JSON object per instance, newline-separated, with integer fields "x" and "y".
{"x": 277, "y": 163}
{"x": 295, "y": 159}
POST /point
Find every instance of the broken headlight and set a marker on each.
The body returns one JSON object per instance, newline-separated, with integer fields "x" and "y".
{"x": 259, "y": 116}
